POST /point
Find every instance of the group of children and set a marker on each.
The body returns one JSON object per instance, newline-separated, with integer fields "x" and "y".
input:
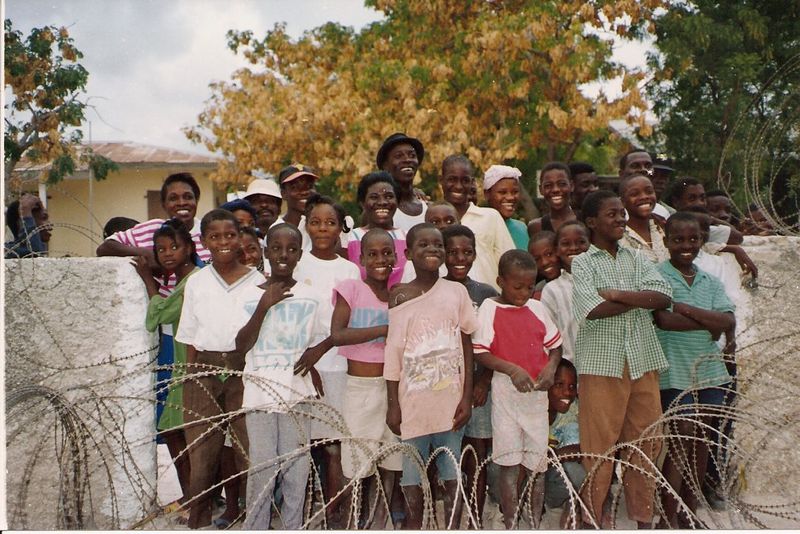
{"x": 395, "y": 348}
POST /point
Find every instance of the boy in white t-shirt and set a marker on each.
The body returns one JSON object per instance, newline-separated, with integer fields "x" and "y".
{"x": 518, "y": 339}
{"x": 210, "y": 319}
{"x": 284, "y": 322}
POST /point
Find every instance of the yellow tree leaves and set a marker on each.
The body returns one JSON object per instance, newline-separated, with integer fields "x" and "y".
{"x": 496, "y": 80}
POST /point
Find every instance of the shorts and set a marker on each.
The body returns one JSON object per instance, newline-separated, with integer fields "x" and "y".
{"x": 480, "y": 424}
{"x": 714, "y": 396}
{"x": 327, "y": 423}
{"x": 556, "y": 492}
{"x": 520, "y": 426}
{"x": 364, "y": 410}
{"x": 447, "y": 465}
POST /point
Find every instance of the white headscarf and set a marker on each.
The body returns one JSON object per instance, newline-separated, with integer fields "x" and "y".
{"x": 495, "y": 173}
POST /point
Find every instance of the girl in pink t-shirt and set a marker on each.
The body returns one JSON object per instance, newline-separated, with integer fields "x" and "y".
{"x": 358, "y": 327}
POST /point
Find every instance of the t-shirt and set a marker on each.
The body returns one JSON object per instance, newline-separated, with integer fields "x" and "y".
{"x": 424, "y": 354}
{"x": 517, "y": 334}
{"x": 366, "y": 310}
{"x": 354, "y": 252}
{"x": 141, "y": 236}
{"x": 655, "y": 251}
{"x": 322, "y": 276}
{"x": 519, "y": 233}
{"x": 405, "y": 222}
{"x": 693, "y": 356}
{"x": 289, "y": 328}
{"x": 491, "y": 241}
{"x": 557, "y": 298}
{"x": 565, "y": 427}
{"x": 211, "y": 315}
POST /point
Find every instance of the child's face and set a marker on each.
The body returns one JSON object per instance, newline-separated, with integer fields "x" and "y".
{"x": 459, "y": 257}
{"x": 244, "y": 218}
{"x": 639, "y": 197}
{"x": 283, "y": 252}
{"x": 323, "y": 228}
{"x": 222, "y": 241}
{"x": 544, "y": 253}
{"x": 172, "y": 253}
{"x": 683, "y": 243}
{"x": 609, "y": 224}
{"x": 556, "y": 188}
{"x": 251, "y": 250}
{"x": 503, "y": 196}
{"x": 516, "y": 286}
{"x": 564, "y": 390}
{"x": 720, "y": 207}
{"x": 456, "y": 181}
{"x": 378, "y": 257}
{"x": 693, "y": 196}
{"x": 441, "y": 216}
{"x": 380, "y": 204}
{"x": 427, "y": 251}
{"x": 572, "y": 240}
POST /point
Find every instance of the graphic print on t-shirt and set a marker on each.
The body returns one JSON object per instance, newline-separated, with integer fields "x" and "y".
{"x": 433, "y": 359}
{"x": 285, "y": 334}
{"x": 366, "y": 317}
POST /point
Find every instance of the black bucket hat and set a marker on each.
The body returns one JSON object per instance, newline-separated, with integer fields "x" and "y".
{"x": 396, "y": 139}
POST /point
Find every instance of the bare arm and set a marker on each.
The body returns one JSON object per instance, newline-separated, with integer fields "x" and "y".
{"x": 341, "y": 334}
{"x": 742, "y": 258}
{"x": 648, "y": 300}
{"x": 711, "y": 320}
{"x": 464, "y": 408}
{"x": 608, "y": 309}
{"x": 519, "y": 376}
{"x": 547, "y": 375}
{"x": 393, "y": 414}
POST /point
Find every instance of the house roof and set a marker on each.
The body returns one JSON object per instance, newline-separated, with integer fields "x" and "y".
{"x": 129, "y": 153}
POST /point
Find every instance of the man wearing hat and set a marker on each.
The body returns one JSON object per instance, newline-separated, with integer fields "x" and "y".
{"x": 400, "y": 156}
{"x": 662, "y": 172}
{"x": 297, "y": 185}
{"x": 265, "y": 196}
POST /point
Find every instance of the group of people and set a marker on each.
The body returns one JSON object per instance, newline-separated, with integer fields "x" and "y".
{"x": 433, "y": 328}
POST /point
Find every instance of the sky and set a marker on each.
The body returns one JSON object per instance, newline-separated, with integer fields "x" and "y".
{"x": 151, "y": 62}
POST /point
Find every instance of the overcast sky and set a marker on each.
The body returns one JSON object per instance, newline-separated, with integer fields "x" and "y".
{"x": 150, "y": 62}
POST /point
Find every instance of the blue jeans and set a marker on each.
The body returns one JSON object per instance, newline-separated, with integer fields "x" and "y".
{"x": 425, "y": 445}
{"x": 555, "y": 488}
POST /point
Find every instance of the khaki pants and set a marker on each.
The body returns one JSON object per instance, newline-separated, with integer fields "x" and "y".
{"x": 207, "y": 401}
{"x": 615, "y": 410}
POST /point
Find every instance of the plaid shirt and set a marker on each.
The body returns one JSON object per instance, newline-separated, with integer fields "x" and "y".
{"x": 604, "y": 345}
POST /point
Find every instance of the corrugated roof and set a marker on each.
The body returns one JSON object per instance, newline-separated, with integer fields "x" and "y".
{"x": 129, "y": 153}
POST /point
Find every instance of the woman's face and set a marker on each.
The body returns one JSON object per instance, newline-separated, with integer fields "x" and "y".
{"x": 379, "y": 206}
{"x": 180, "y": 202}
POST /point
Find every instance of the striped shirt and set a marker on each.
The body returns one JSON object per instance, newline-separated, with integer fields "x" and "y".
{"x": 141, "y": 236}
{"x": 557, "y": 298}
{"x": 603, "y": 346}
{"x": 694, "y": 358}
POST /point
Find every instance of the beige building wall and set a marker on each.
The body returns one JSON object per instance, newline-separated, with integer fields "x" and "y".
{"x": 79, "y": 215}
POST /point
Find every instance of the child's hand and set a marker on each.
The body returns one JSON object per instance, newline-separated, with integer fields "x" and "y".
{"x": 308, "y": 360}
{"x": 463, "y": 413}
{"x": 316, "y": 380}
{"x": 394, "y": 418}
{"x": 546, "y": 377}
{"x": 480, "y": 393}
{"x": 608, "y": 294}
{"x": 142, "y": 267}
{"x": 274, "y": 292}
{"x": 522, "y": 380}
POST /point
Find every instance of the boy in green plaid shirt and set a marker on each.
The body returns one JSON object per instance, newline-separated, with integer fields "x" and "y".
{"x": 618, "y": 358}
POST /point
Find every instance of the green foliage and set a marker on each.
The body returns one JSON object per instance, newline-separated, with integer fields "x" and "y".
{"x": 45, "y": 109}
{"x": 725, "y": 97}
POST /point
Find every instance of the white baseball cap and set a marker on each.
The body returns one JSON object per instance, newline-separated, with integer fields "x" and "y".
{"x": 263, "y": 186}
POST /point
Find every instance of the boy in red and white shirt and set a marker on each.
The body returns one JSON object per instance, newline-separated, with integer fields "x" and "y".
{"x": 518, "y": 339}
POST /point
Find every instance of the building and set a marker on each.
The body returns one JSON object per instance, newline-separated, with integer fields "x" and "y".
{"x": 79, "y": 206}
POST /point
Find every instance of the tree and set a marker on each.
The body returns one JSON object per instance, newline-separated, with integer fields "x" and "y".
{"x": 725, "y": 90}
{"x": 45, "y": 111}
{"x": 499, "y": 81}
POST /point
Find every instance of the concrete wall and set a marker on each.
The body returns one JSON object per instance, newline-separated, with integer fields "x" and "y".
{"x": 79, "y": 401}
{"x": 78, "y": 363}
